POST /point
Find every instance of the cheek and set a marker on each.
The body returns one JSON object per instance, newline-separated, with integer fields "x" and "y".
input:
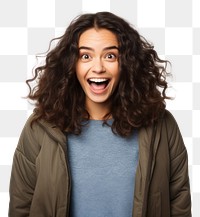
{"x": 112, "y": 68}
{"x": 115, "y": 72}
{"x": 81, "y": 70}
{"x": 116, "y": 76}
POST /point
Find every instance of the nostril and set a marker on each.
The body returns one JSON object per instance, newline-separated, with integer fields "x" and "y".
{"x": 98, "y": 67}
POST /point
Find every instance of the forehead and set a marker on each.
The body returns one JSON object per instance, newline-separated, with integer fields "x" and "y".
{"x": 94, "y": 37}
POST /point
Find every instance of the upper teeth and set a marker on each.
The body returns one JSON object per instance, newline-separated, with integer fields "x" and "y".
{"x": 98, "y": 79}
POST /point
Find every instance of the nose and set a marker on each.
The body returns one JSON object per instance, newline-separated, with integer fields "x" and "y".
{"x": 98, "y": 66}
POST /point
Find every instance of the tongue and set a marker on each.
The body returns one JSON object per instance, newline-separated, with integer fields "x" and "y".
{"x": 98, "y": 86}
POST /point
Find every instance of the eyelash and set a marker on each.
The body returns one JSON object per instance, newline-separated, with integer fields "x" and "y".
{"x": 111, "y": 54}
{"x": 108, "y": 55}
{"x": 82, "y": 56}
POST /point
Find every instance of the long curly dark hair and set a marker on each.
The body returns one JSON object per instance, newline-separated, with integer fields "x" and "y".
{"x": 139, "y": 99}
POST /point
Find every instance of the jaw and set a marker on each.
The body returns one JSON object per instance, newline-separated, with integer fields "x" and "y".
{"x": 97, "y": 109}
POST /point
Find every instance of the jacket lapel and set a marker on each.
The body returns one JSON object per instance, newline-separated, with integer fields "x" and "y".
{"x": 144, "y": 172}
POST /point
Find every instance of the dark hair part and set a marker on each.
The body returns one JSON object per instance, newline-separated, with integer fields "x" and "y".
{"x": 139, "y": 99}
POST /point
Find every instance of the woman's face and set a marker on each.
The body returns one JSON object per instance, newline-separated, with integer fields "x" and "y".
{"x": 97, "y": 68}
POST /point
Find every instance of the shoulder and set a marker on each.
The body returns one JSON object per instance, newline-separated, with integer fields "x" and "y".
{"x": 173, "y": 135}
{"x": 165, "y": 123}
{"x": 31, "y": 129}
{"x": 30, "y": 140}
{"x": 37, "y": 128}
{"x": 38, "y": 133}
{"x": 169, "y": 118}
{"x": 170, "y": 123}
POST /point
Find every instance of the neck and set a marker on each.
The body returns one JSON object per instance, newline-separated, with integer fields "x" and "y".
{"x": 97, "y": 111}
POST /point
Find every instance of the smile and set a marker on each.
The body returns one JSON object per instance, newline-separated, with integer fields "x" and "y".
{"x": 98, "y": 85}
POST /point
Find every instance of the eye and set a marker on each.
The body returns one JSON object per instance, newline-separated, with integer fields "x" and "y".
{"x": 85, "y": 56}
{"x": 111, "y": 56}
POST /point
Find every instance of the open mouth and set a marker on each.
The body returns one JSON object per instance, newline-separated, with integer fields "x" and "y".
{"x": 98, "y": 83}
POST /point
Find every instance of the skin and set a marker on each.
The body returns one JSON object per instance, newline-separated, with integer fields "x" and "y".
{"x": 98, "y": 59}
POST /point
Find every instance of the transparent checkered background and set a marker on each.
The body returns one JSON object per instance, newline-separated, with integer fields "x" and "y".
{"x": 26, "y": 28}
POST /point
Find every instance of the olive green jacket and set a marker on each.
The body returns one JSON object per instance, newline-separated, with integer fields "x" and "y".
{"x": 40, "y": 182}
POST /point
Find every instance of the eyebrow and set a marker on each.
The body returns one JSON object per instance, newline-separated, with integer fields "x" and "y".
{"x": 106, "y": 48}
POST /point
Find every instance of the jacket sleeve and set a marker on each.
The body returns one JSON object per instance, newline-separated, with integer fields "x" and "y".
{"x": 23, "y": 174}
{"x": 179, "y": 179}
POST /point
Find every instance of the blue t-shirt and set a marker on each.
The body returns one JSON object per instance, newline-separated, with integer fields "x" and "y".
{"x": 103, "y": 167}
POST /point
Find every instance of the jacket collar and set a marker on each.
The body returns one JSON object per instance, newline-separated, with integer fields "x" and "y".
{"x": 54, "y": 132}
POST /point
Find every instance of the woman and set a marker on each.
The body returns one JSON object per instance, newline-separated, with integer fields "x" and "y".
{"x": 100, "y": 142}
